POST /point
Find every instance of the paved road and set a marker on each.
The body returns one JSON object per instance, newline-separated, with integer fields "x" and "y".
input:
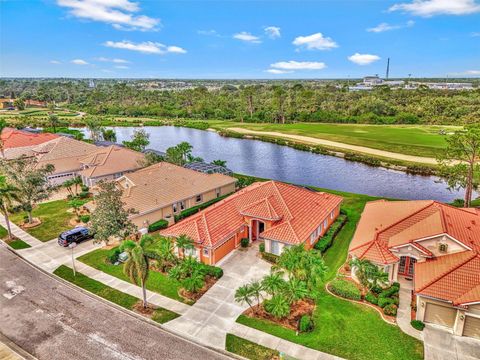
{"x": 53, "y": 321}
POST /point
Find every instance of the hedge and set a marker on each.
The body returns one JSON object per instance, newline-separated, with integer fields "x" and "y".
{"x": 158, "y": 225}
{"x": 194, "y": 209}
{"x": 371, "y": 298}
{"x": 271, "y": 258}
{"x": 345, "y": 289}
{"x": 417, "y": 324}
{"x": 327, "y": 240}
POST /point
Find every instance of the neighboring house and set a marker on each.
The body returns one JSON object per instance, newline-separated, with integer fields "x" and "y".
{"x": 434, "y": 244}
{"x": 163, "y": 190}
{"x": 208, "y": 168}
{"x": 17, "y": 143}
{"x": 65, "y": 155}
{"x": 279, "y": 214}
{"x": 109, "y": 163}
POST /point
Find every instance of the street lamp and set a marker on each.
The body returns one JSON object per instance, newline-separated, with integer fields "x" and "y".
{"x": 73, "y": 246}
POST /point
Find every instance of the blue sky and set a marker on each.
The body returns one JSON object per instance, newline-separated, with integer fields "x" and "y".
{"x": 239, "y": 39}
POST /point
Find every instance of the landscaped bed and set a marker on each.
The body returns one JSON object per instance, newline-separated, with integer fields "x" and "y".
{"x": 126, "y": 301}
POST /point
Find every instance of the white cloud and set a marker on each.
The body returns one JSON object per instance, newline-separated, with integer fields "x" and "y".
{"x": 210, "y": 32}
{"x": 272, "y": 32}
{"x": 298, "y": 65}
{"x": 387, "y": 27}
{"x": 116, "y": 61}
{"x": 278, "y": 71}
{"x": 428, "y": 8}
{"x": 247, "y": 37}
{"x": 146, "y": 47}
{"x": 315, "y": 42}
{"x": 119, "y": 13}
{"x": 121, "y": 67}
{"x": 473, "y": 72}
{"x": 363, "y": 59}
{"x": 79, "y": 62}
{"x": 56, "y": 62}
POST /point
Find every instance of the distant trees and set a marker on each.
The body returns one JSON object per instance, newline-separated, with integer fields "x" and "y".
{"x": 30, "y": 180}
{"x": 54, "y": 121}
{"x": 94, "y": 126}
{"x": 139, "y": 141}
{"x": 19, "y": 104}
{"x": 460, "y": 162}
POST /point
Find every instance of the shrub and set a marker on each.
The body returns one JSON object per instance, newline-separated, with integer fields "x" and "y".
{"x": 84, "y": 218}
{"x": 417, "y": 324}
{"x": 278, "y": 306}
{"x": 212, "y": 271}
{"x": 390, "y": 309}
{"x": 158, "y": 225}
{"x": 271, "y": 258}
{"x": 112, "y": 257}
{"x": 194, "y": 209}
{"x": 382, "y": 301}
{"x": 244, "y": 242}
{"x": 83, "y": 194}
{"x": 305, "y": 324}
{"x": 376, "y": 289}
{"x": 85, "y": 188}
{"x": 261, "y": 247}
{"x": 345, "y": 289}
{"x": 391, "y": 291}
{"x": 372, "y": 299}
{"x": 327, "y": 240}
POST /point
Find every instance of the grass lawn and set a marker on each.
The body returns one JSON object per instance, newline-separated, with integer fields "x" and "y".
{"x": 124, "y": 300}
{"x": 156, "y": 282}
{"x": 419, "y": 140}
{"x": 54, "y": 216}
{"x": 343, "y": 328}
{"x": 15, "y": 244}
{"x": 248, "y": 349}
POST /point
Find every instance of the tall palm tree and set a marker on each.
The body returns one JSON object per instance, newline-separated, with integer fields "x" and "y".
{"x": 244, "y": 294}
{"x": 137, "y": 265}
{"x": 166, "y": 251}
{"x": 185, "y": 149}
{"x": 8, "y": 194}
{"x": 256, "y": 289}
{"x": 184, "y": 243}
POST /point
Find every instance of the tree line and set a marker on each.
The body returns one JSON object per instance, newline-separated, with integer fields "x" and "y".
{"x": 264, "y": 102}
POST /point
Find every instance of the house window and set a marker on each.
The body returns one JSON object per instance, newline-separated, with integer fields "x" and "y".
{"x": 191, "y": 252}
{"x": 275, "y": 247}
{"x": 218, "y": 192}
{"x": 205, "y": 252}
{"x": 198, "y": 198}
{"x": 443, "y": 247}
{"x": 312, "y": 238}
{"x": 182, "y": 205}
{"x": 331, "y": 215}
{"x": 175, "y": 208}
{"x": 325, "y": 224}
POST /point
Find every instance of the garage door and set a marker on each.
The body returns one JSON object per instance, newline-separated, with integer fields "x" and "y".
{"x": 472, "y": 327}
{"x": 224, "y": 249}
{"x": 440, "y": 315}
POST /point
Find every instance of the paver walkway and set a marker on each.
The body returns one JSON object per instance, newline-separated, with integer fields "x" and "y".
{"x": 20, "y": 233}
{"x": 404, "y": 310}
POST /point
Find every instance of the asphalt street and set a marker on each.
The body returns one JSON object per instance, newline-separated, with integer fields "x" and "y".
{"x": 51, "y": 320}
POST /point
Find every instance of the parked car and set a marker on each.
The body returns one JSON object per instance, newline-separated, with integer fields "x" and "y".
{"x": 76, "y": 235}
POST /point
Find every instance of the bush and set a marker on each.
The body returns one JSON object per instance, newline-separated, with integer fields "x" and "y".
{"x": 194, "y": 209}
{"x": 371, "y": 298}
{"x": 417, "y": 324}
{"x": 391, "y": 291}
{"x": 327, "y": 240}
{"x": 261, "y": 247}
{"x": 212, "y": 271}
{"x": 84, "y": 218}
{"x": 390, "y": 310}
{"x": 345, "y": 289}
{"x": 271, "y": 258}
{"x": 85, "y": 188}
{"x": 83, "y": 194}
{"x": 376, "y": 289}
{"x": 244, "y": 242}
{"x": 306, "y": 324}
{"x": 158, "y": 225}
{"x": 383, "y": 301}
{"x": 112, "y": 257}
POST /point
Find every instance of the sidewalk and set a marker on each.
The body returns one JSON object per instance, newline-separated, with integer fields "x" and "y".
{"x": 20, "y": 233}
{"x": 404, "y": 310}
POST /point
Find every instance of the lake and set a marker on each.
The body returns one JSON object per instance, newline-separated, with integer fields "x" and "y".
{"x": 267, "y": 160}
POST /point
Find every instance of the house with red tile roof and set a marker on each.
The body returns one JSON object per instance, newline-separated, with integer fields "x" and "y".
{"x": 279, "y": 214}
{"x": 17, "y": 143}
{"x": 435, "y": 245}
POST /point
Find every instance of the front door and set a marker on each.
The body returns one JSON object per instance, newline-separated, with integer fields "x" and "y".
{"x": 406, "y": 266}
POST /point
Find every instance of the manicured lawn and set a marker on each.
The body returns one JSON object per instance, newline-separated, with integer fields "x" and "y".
{"x": 54, "y": 216}
{"x": 248, "y": 349}
{"x": 420, "y": 140}
{"x": 18, "y": 244}
{"x": 124, "y": 300}
{"x": 3, "y": 232}
{"x": 343, "y": 328}
{"x": 156, "y": 282}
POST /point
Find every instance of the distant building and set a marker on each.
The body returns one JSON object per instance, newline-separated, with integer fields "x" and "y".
{"x": 372, "y": 80}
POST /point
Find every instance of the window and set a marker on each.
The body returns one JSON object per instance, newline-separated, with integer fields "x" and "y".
{"x": 312, "y": 238}
{"x": 442, "y": 247}
{"x": 191, "y": 252}
{"x": 175, "y": 208}
{"x": 182, "y": 205}
{"x": 325, "y": 224}
{"x": 205, "y": 252}
{"x": 331, "y": 215}
{"x": 218, "y": 192}
{"x": 198, "y": 198}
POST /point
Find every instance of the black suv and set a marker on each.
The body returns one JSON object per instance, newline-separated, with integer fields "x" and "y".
{"x": 76, "y": 235}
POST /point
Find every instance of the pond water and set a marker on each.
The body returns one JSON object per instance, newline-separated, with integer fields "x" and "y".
{"x": 267, "y": 160}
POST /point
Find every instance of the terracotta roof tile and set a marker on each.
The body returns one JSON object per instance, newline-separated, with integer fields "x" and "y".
{"x": 13, "y": 138}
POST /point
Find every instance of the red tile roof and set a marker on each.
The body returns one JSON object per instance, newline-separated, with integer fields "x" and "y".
{"x": 13, "y": 138}
{"x": 296, "y": 213}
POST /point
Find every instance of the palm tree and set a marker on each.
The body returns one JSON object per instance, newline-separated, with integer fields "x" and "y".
{"x": 295, "y": 290}
{"x": 77, "y": 180}
{"x": 219, "y": 163}
{"x": 137, "y": 265}
{"x": 244, "y": 294}
{"x": 54, "y": 122}
{"x": 94, "y": 125}
{"x": 278, "y": 306}
{"x": 166, "y": 252}
{"x": 185, "y": 149}
{"x": 184, "y": 243}
{"x": 109, "y": 135}
{"x": 256, "y": 288}
{"x": 368, "y": 273}
{"x": 273, "y": 283}
{"x": 194, "y": 282}
{"x": 8, "y": 194}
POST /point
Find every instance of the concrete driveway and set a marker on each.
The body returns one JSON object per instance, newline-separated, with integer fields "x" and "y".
{"x": 214, "y": 315}
{"x": 440, "y": 344}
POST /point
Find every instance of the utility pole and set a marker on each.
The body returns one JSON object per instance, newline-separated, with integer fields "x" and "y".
{"x": 388, "y": 69}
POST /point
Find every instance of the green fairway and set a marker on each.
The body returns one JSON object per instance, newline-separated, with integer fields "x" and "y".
{"x": 418, "y": 140}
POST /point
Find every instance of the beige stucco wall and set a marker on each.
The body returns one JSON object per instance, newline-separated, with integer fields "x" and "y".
{"x": 432, "y": 245}
{"x": 459, "y": 320}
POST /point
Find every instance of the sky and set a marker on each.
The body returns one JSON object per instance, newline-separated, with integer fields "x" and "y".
{"x": 239, "y": 39}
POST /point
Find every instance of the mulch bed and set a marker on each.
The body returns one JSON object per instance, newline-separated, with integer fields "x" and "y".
{"x": 297, "y": 310}
{"x": 36, "y": 222}
{"x": 209, "y": 282}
